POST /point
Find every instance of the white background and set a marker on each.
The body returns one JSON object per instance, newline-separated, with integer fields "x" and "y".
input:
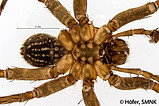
{"x": 31, "y": 13}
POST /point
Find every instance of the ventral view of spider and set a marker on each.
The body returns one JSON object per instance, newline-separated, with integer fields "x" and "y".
{"x": 83, "y": 50}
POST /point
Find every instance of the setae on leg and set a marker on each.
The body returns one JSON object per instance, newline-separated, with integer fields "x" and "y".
{"x": 132, "y": 14}
{"x": 45, "y": 89}
{"x": 129, "y": 83}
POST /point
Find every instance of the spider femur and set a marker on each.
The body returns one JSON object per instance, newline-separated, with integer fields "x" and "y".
{"x": 41, "y": 50}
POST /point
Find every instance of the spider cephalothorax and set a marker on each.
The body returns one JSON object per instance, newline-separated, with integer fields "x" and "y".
{"x": 85, "y": 51}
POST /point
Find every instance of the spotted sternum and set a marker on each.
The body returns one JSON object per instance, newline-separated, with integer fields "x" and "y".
{"x": 86, "y": 52}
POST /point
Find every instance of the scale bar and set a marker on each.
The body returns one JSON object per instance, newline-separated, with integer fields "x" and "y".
{"x": 38, "y": 28}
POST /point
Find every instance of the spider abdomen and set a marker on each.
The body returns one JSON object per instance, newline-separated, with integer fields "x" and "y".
{"x": 42, "y": 50}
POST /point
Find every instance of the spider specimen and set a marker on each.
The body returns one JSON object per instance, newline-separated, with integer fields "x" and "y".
{"x": 111, "y": 63}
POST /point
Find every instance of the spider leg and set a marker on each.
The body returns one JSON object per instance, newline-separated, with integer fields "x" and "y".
{"x": 137, "y": 71}
{"x": 29, "y": 74}
{"x": 49, "y": 87}
{"x": 132, "y": 14}
{"x": 152, "y": 34}
{"x": 2, "y": 5}
{"x": 89, "y": 96}
{"x": 129, "y": 83}
{"x": 60, "y": 12}
{"x": 89, "y": 76}
{"x": 56, "y": 8}
{"x": 80, "y": 9}
{"x": 42, "y": 73}
{"x": 43, "y": 90}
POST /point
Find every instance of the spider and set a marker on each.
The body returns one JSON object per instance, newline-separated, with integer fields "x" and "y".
{"x": 105, "y": 48}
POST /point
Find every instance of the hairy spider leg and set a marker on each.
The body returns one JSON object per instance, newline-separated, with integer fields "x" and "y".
{"x": 36, "y": 46}
{"x": 80, "y": 10}
{"x": 60, "y": 12}
{"x": 152, "y": 34}
{"x": 87, "y": 72}
{"x": 89, "y": 96}
{"x": 89, "y": 77}
{"x": 132, "y": 14}
{"x": 137, "y": 71}
{"x": 49, "y": 87}
{"x": 43, "y": 90}
{"x": 129, "y": 83}
{"x": 42, "y": 73}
